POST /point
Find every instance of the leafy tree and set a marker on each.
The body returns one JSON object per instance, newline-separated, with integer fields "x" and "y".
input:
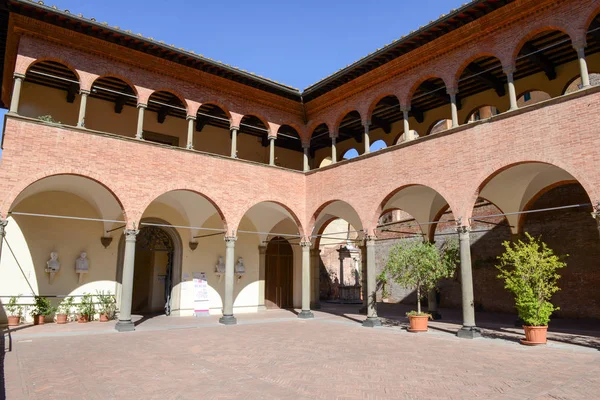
{"x": 420, "y": 265}
{"x": 529, "y": 272}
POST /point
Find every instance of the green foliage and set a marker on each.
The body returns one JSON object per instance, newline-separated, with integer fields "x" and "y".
{"x": 108, "y": 304}
{"x": 529, "y": 272}
{"x": 86, "y": 305}
{"x": 48, "y": 118}
{"x": 42, "y": 306}
{"x": 13, "y": 307}
{"x": 420, "y": 265}
{"x": 419, "y": 314}
{"x": 65, "y": 306}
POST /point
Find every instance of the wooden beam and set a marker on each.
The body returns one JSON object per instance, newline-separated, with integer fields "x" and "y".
{"x": 119, "y": 103}
{"x": 540, "y": 60}
{"x": 487, "y": 78}
{"x": 436, "y": 92}
{"x": 381, "y": 123}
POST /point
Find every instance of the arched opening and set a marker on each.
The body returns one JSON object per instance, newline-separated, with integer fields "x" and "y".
{"x": 253, "y": 143}
{"x": 325, "y": 162}
{"x": 562, "y": 220}
{"x": 212, "y": 130}
{"x": 350, "y": 154}
{"x": 279, "y": 274}
{"x": 112, "y": 107}
{"x": 482, "y": 81}
{"x": 165, "y": 119}
{"x": 66, "y": 214}
{"x": 288, "y": 148}
{"x": 350, "y": 129}
{"x": 576, "y": 84}
{"x": 320, "y": 144}
{"x": 431, "y": 95}
{"x": 378, "y": 145}
{"x": 482, "y": 113}
{"x": 50, "y": 92}
{"x": 401, "y": 138}
{"x": 531, "y": 97}
{"x": 440, "y": 126}
{"x": 386, "y": 116}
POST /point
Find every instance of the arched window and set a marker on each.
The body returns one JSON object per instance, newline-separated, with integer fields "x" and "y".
{"x": 350, "y": 154}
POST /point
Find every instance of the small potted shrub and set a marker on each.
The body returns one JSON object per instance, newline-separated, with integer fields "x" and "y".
{"x": 420, "y": 265}
{"x": 529, "y": 270}
{"x": 64, "y": 310}
{"x": 41, "y": 309}
{"x": 108, "y": 305}
{"x": 85, "y": 308}
{"x": 15, "y": 310}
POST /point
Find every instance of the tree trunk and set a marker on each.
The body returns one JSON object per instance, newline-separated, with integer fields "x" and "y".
{"x": 419, "y": 299}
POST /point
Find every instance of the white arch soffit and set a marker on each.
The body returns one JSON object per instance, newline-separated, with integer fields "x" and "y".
{"x": 266, "y": 215}
{"x": 513, "y": 188}
{"x": 422, "y": 202}
{"x": 337, "y": 209}
{"x": 193, "y": 207}
{"x": 100, "y": 198}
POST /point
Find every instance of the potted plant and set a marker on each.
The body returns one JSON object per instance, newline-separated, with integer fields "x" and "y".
{"x": 529, "y": 270}
{"x": 41, "y": 309}
{"x": 108, "y": 305}
{"x": 14, "y": 310}
{"x": 85, "y": 308}
{"x": 64, "y": 310}
{"x": 420, "y": 265}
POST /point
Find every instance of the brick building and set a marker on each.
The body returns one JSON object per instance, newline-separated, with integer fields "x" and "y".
{"x": 146, "y": 156}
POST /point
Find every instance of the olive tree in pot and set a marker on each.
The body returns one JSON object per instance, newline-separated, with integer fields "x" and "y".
{"x": 64, "y": 310}
{"x": 108, "y": 305}
{"x": 420, "y": 265}
{"x": 15, "y": 310}
{"x": 86, "y": 308}
{"x": 41, "y": 309}
{"x": 529, "y": 270}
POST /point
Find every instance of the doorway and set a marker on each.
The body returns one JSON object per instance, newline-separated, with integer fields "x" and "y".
{"x": 279, "y": 273}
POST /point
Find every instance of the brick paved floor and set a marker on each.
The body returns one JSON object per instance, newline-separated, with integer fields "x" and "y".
{"x": 273, "y": 355}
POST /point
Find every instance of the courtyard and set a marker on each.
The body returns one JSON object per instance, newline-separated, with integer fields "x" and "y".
{"x": 275, "y": 355}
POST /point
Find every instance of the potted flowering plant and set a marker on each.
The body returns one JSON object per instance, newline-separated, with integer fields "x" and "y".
{"x": 420, "y": 265}
{"x": 86, "y": 308}
{"x": 64, "y": 310}
{"x": 41, "y": 309}
{"x": 529, "y": 270}
{"x": 15, "y": 310}
{"x": 108, "y": 305}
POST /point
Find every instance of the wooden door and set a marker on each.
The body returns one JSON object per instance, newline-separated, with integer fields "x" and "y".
{"x": 279, "y": 270}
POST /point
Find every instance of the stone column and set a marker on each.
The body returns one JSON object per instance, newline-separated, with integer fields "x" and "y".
{"x": 16, "y": 94}
{"x": 140, "y": 122}
{"x": 372, "y": 319}
{"x": 234, "y": 131}
{"x": 469, "y": 330}
{"x": 453, "y": 107}
{"x": 407, "y": 133}
{"x": 228, "y": 318}
{"x": 305, "y": 147}
{"x": 82, "y": 108}
{"x": 432, "y": 304}
{"x": 305, "y": 313}
{"x": 341, "y": 258}
{"x": 315, "y": 260}
{"x": 262, "y": 265}
{"x": 3, "y": 223}
{"x": 125, "y": 324}
{"x": 272, "y": 150}
{"x": 583, "y": 68}
{"x": 512, "y": 93}
{"x": 367, "y": 139}
{"x": 190, "y": 132}
{"x": 333, "y": 149}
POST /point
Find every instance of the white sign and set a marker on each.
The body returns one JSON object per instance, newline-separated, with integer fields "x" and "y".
{"x": 200, "y": 294}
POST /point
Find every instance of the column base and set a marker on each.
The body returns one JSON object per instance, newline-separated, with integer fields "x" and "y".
{"x": 228, "y": 320}
{"x": 469, "y": 332}
{"x": 306, "y": 314}
{"x": 315, "y": 306}
{"x": 435, "y": 315}
{"x": 371, "y": 322}
{"x": 125, "y": 326}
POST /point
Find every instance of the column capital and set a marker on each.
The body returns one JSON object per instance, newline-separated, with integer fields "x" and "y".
{"x": 234, "y": 128}
{"x": 3, "y": 223}
{"x": 271, "y": 137}
{"x": 84, "y": 91}
{"x": 580, "y": 45}
{"x": 306, "y": 244}
{"x": 262, "y": 249}
{"x": 452, "y": 91}
{"x": 131, "y": 234}
{"x": 230, "y": 239}
{"x": 142, "y": 105}
{"x": 509, "y": 70}
{"x": 190, "y": 117}
{"x": 366, "y": 123}
{"x": 596, "y": 213}
{"x": 405, "y": 109}
{"x": 305, "y": 146}
{"x": 333, "y": 135}
{"x": 370, "y": 240}
{"x": 16, "y": 75}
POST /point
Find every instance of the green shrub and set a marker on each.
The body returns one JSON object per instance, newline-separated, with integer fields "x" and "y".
{"x": 42, "y": 306}
{"x": 13, "y": 307}
{"x": 66, "y": 306}
{"x": 108, "y": 304}
{"x": 529, "y": 272}
{"x": 86, "y": 305}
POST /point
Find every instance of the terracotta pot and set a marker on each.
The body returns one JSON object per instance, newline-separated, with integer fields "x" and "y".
{"x": 104, "y": 318}
{"x": 82, "y": 318}
{"x": 418, "y": 323}
{"x": 14, "y": 320}
{"x": 61, "y": 318}
{"x": 39, "y": 319}
{"x": 534, "y": 335}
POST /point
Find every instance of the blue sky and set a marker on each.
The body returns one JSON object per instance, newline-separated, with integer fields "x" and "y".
{"x": 294, "y": 42}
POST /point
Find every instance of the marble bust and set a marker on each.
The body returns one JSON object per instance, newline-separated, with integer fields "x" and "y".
{"x": 239, "y": 266}
{"x": 52, "y": 264}
{"x": 82, "y": 264}
{"x": 220, "y": 267}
